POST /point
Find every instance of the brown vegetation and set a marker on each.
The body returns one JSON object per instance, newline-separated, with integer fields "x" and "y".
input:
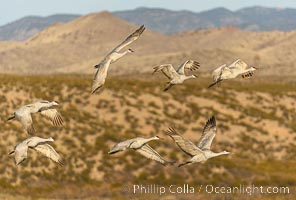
{"x": 256, "y": 123}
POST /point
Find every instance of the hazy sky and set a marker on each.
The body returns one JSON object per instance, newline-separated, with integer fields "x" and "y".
{"x": 11, "y": 10}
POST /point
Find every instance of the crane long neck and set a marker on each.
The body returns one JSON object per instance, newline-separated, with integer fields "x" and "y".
{"x": 213, "y": 154}
{"x": 49, "y": 139}
{"x": 188, "y": 77}
{"x": 118, "y": 55}
{"x": 121, "y": 54}
{"x": 249, "y": 70}
{"x": 44, "y": 140}
{"x": 150, "y": 139}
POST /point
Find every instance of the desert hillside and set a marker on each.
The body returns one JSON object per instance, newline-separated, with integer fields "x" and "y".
{"x": 72, "y": 47}
{"x": 255, "y": 119}
{"x": 76, "y": 46}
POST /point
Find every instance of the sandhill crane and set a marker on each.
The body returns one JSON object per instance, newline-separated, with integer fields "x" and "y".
{"x": 46, "y": 109}
{"x": 40, "y": 145}
{"x": 140, "y": 145}
{"x": 202, "y": 151}
{"x": 231, "y": 71}
{"x": 177, "y": 77}
{"x": 113, "y": 56}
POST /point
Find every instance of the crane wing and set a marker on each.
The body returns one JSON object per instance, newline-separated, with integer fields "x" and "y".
{"x": 21, "y": 153}
{"x": 131, "y": 38}
{"x": 101, "y": 75}
{"x": 168, "y": 70}
{"x": 27, "y": 122}
{"x": 217, "y": 72}
{"x": 49, "y": 152}
{"x": 189, "y": 64}
{"x": 53, "y": 115}
{"x": 150, "y": 153}
{"x": 185, "y": 145}
{"x": 238, "y": 64}
{"x": 208, "y": 134}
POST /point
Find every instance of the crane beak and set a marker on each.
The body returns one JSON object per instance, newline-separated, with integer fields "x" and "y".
{"x": 10, "y": 118}
{"x": 113, "y": 151}
{"x": 11, "y": 152}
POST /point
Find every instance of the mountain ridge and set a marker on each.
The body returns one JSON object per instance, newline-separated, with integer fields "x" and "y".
{"x": 249, "y": 18}
{"x": 165, "y": 21}
{"x": 26, "y": 27}
{"x": 76, "y": 46}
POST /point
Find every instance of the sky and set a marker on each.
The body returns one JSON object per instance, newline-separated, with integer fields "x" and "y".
{"x": 11, "y": 10}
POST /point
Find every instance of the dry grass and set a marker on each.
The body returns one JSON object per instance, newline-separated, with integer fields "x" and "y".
{"x": 256, "y": 123}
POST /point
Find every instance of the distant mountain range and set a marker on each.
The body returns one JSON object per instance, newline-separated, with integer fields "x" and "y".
{"x": 252, "y": 19}
{"x": 170, "y": 22}
{"x": 78, "y": 45}
{"x": 28, "y": 26}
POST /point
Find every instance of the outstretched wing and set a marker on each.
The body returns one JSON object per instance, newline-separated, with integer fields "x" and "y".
{"x": 101, "y": 75}
{"x": 49, "y": 152}
{"x": 238, "y": 64}
{"x": 27, "y": 122}
{"x": 168, "y": 70}
{"x": 53, "y": 115}
{"x": 208, "y": 134}
{"x": 248, "y": 74}
{"x": 189, "y": 64}
{"x": 185, "y": 145}
{"x": 217, "y": 72}
{"x": 121, "y": 146}
{"x": 21, "y": 153}
{"x": 150, "y": 153}
{"x": 131, "y": 38}
{"x": 239, "y": 67}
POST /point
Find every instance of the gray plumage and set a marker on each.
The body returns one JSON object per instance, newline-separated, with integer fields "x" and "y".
{"x": 140, "y": 145}
{"x": 202, "y": 151}
{"x": 113, "y": 56}
{"x": 235, "y": 69}
{"x": 177, "y": 76}
{"x": 45, "y": 108}
{"x": 38, "y": 144}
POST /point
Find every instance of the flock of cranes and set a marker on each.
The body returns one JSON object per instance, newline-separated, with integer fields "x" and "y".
{"x": 224, "y": 72}
{"x": 198, "y": 153}
{"x": 24, "y": 116}
{"x": 40, "y": 145}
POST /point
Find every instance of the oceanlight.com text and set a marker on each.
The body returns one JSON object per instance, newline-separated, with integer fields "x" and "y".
{"x": 206, "y": 189}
